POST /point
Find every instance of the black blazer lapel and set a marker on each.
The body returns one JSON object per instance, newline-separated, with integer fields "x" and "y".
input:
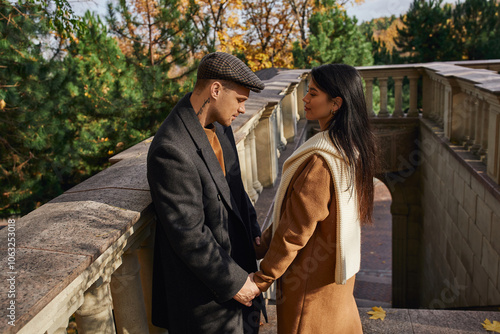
{"x": 231, "y": 161}
{"x": 192, "y": 124}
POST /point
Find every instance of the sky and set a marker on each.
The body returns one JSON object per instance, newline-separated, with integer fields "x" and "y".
{"x": 370, "y": 9}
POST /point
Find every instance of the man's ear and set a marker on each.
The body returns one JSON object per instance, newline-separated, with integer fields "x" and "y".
{"x": 215, "y": 89}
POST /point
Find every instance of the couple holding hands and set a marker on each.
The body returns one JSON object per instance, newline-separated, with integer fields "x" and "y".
{"x": 207, "y": 239}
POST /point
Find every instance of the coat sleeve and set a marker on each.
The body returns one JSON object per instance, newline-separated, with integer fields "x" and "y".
{"x": 177, "y": 193}
{"x": 307, "y": 204}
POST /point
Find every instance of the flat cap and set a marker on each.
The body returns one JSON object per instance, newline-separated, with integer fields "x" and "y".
{"x": 223, "y": 66}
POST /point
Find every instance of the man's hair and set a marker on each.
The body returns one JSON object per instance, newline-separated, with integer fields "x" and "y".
{"x": 201, "y": 84}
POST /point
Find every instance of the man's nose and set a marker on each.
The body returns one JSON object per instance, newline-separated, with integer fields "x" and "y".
{"x": 241, "y": 109}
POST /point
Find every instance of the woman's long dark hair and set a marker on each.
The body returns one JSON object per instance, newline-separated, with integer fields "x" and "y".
{"x": 350, "y": 130}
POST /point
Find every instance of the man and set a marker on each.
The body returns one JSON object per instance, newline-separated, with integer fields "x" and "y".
{"x": 206, "y": 224}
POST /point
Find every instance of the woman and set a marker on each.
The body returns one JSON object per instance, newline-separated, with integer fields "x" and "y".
{"x": 325, "y": 192}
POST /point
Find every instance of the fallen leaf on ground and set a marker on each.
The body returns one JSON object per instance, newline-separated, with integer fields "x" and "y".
{"x": 378, "y": 313}
{"x": 494, "y": 327}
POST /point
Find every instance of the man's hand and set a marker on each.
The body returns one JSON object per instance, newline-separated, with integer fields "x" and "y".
{"x": 257, "y": 241}
{"x": 248, "y": 292}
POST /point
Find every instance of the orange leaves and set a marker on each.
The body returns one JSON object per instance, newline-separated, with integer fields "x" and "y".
{"x": 491, "y": 326}
{"x": 271, "y": 31}
{"x": 377, "y": 313}
{"x": 387, "y": 37}
{"x": 2, "y": 104}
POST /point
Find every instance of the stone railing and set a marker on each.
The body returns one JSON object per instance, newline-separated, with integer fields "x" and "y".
{"x": 397, "y": 73}
{"x": 463, "y": 98}
{"x": 88, "y": 252}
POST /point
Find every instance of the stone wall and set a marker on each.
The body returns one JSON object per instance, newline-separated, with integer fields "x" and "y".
{"x": 460, "y": 245}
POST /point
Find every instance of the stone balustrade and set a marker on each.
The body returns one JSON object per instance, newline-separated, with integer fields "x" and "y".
{"x": 463, "y": 98}
{"x": 88, "y": 252}
{"x": 466, "y": 104}
{"x": 397, "y": 73}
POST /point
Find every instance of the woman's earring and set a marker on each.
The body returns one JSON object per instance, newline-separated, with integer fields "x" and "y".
{"x": 331, "y": 112}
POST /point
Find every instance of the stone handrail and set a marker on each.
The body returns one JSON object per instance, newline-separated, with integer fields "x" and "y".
{"x": 89, "y": 252}
{"x": 462, "y": 97}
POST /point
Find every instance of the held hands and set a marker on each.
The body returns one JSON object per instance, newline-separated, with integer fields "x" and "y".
{"x": 257, "y": 241}
{"x": 248, "y": 292}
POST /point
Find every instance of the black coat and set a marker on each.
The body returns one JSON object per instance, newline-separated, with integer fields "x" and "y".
{"x": 205, "y": 227}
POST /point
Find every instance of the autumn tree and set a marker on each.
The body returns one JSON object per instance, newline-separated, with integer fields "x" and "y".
{"x": 302, "y": 10}
{"x": 219, "y": 21}
{"x": 381, "y": 32}
{"x": 334, "y": 38}
{"x": 269, "y": 33}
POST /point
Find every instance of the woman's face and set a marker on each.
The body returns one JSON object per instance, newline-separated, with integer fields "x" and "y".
{"x": 317, "y": 104}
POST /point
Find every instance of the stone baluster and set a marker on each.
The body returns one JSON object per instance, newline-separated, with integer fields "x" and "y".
{"x": 483, "y": 140}
{"x": 280, "y": 135}
{"x": 486, "y": 133}
{"x": 470, "y": 121}
{"x": 301, "y": 92}
{"x": 428, "y": 96}
{"x": 252, "y": 193}
{"x": 476, "y": 146}
{"x": 446, "y": 120}
{"x": 492, "y": 157}
{"x": 444, "y": 104}
{"x": 413, "y": 111}
{"x": 265, "y": 142}
{"x": 256, "y": 183}
{"x": 437, "y": 108}
{"x": 462, "y": 134}
{"x": 295, "y": 104}
{"x": 243, "y": 164}
{"x": 432, "y": 92}
{"x": 128, "y": 300}
{"x": 398, "y": 97}
{"x": 96, "y": 313}
{"x": 383, "y": 97}
{"x": 369, "y": 97}
{"x": 289, "y": 114}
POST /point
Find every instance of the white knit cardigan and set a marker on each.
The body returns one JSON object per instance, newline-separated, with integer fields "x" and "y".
{"x": 348, "y": 224}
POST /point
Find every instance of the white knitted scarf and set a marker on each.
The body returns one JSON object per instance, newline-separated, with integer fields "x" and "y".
{"x": 348, "y": 243}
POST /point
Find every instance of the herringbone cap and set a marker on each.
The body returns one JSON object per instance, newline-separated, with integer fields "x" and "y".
{"x": 223, "y": 66}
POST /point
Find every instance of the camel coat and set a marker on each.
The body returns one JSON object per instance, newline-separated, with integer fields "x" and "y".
{"x": 301, "y": 257}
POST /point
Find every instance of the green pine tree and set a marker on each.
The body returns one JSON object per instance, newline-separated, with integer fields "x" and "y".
{"x": 99, "y": 105}
{"x": 477, "y": 29}
{"x": 427, "y": 31}
{"x": 25, "y": 75}
{"x": 334, "y": 37}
